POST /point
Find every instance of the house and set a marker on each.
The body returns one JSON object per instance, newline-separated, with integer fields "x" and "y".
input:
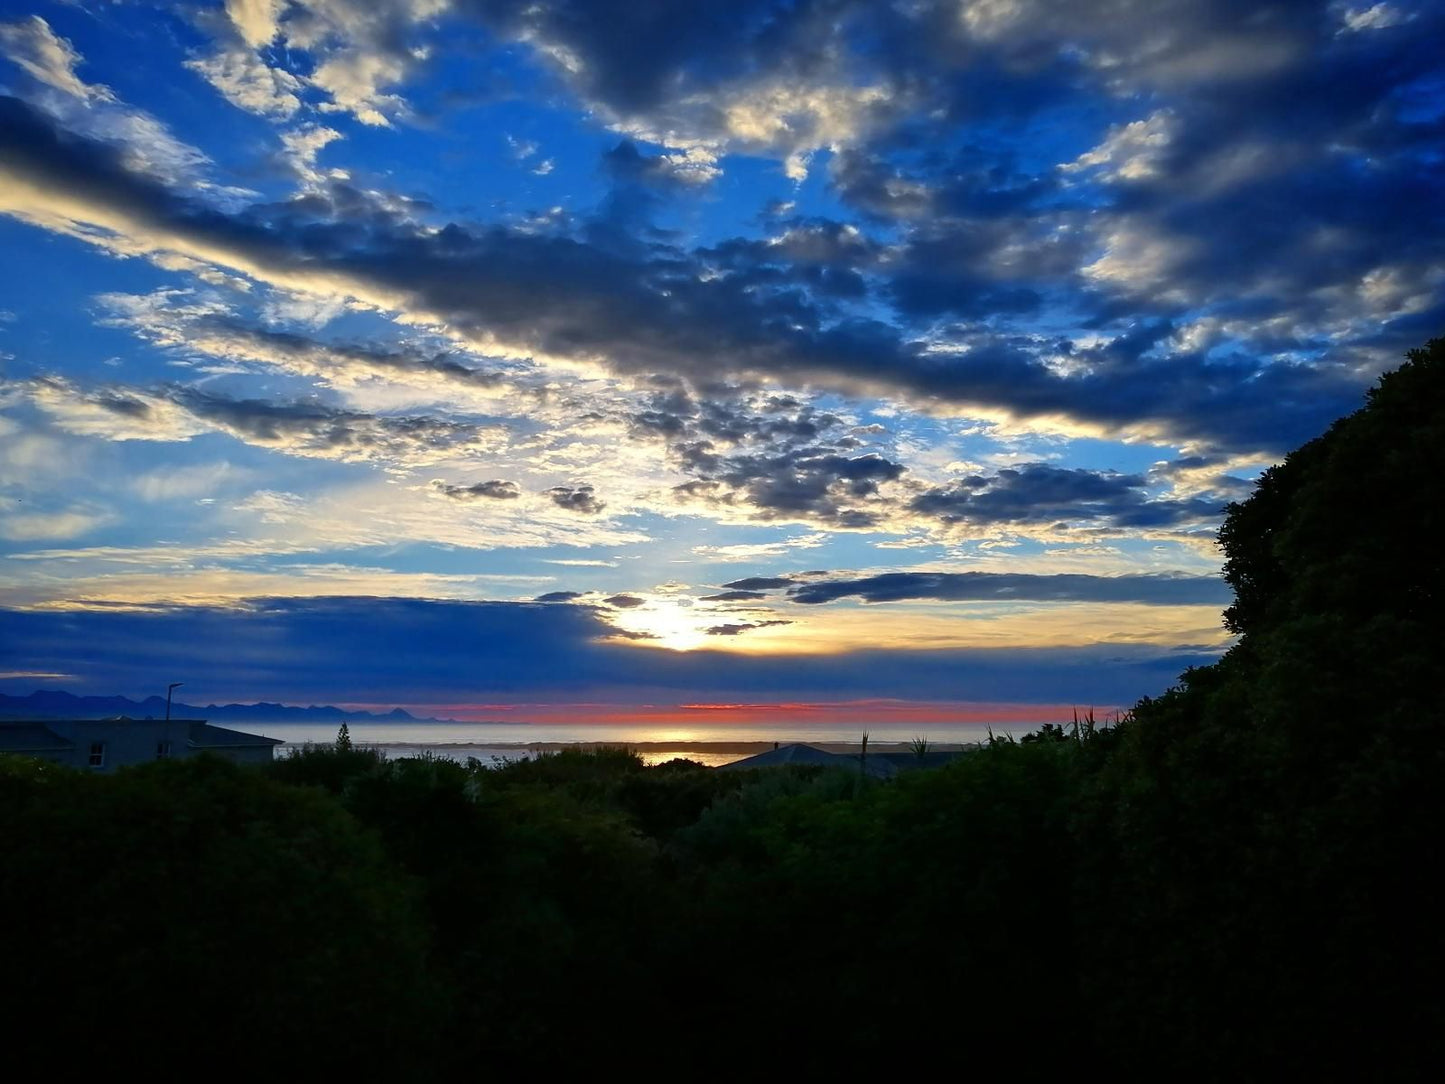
{"x": 104, "y": 744}
{"x": 876, "y": 765}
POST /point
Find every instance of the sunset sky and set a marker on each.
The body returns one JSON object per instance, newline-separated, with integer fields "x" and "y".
{"x": 856, "y": 361}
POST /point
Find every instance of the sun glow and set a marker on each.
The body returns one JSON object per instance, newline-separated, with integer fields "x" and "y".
{"x": 668, "y": 623}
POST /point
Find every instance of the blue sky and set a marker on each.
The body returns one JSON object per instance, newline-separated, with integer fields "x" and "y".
{"x": 789, "y": 353}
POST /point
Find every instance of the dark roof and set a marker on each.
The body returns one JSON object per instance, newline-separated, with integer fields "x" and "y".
{"x": 206, "y": 736}
{"x": 30, "y": 738}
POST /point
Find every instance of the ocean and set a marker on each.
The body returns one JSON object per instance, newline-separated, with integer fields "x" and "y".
{"x": 712, "y": 746}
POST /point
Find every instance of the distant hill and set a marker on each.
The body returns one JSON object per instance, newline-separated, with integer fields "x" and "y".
{"x": 54, "y": 704}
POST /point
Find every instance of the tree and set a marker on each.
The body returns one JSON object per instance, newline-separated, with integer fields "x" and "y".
{"x": 1251, "y": 855}
{"x": 1351, "y": 523}
{"x": 343, "y": 739}
{"x": 202, "y": 899}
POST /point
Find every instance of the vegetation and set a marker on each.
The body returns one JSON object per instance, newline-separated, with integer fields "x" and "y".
{"x": 1232, "y": 882}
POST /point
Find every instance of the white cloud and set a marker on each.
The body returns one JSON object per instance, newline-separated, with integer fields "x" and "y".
{"x": 753, "y": 551}
{"x": 782, "y": 117}
{"x": 113, "y": 415}
{"x": 39, "y": 51}
{"x": 1139, "y": 258}
{"x": 1129, "y": 152}
{"x": 35, "y": 526}
{"x": 522, "y": 149}
{"x": 354, "y": 80}
{"x": 359, "y": 51}
{"x": 210, "y": 585}
{"x": 255, "y": 20}
{"x": 190, "y": 482}
{"x": 1375, "y": 17}
{"x": 249, "y": 83}
{"x": 303, "y": 144}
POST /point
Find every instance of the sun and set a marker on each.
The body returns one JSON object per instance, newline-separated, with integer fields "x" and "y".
{"x": 668, "y": 623}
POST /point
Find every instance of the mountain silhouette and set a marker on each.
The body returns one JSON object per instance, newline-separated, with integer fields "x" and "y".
{"x": 56, "y": 704}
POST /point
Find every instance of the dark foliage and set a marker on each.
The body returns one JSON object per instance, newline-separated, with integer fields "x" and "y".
{"x": 1259, "y": 847}
{"x": 189, "y": 907}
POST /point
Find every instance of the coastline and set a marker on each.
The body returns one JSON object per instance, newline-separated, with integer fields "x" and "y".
{"x": 712, "y": 754}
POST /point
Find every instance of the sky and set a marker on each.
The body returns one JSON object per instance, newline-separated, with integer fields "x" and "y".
{"x": 728, "y": 361}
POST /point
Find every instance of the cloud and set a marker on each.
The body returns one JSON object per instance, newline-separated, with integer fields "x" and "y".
{"x": 191, "y": 325}
{"x": 358, "y": 51}
{"x": 531, "y": 295}
{"x": 495, "y": 489}
{"x": 1152, "y": 589}
{"x": 302, "y": 144}
{"x": 354, "y": 79}
{"x": 558, "y": 596}
{"x": 197, "y": 480}
{"x": 703, "y": 79}
{"x": 16, "y": 526}
{"x": 734, "y": 596}
{"x": 257, "y": 21}
{"x": 737, "y": 629}
{"x": 1374, "y": 17}
{"x": 625, "y": 602}
{"x": 810, "y": 484}
{"x": 305, "y": 650}
{"x": 249, "y": 83}
{"x": 311, "y": 430}
{"x": 1129, "y": 152}
{"x": 626, "y": 165}
{"x": 760, "y": 583}
{"x": 579, "y": 499}
{"x": 1042, "y": 493}
{"x": 34, "y": 47}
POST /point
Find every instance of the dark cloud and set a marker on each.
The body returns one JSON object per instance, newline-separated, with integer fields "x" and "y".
{"x": 739, "y": 629}
{"x": 1160, "y": 589}
{"x": 636, "y": 56}
{"x": 625, "y": 165}
{"x": 769, "y": 456}
{"x": 305, "y": 429}
{"x": 313, "y": 427}
{"x": 1038, "y": 493}
{"x": 734, "y": 596}
{"x": 625, "y": 602}
{"x": 558, "y": 596}
{"x": 293, "y": 351}
{"x": 310, "y": 429}
{"x": 811, "y": 483}
{"x": 830, "y": 259}
{"x": 576, "y": 499}
{"x": 660, "y": 309}
{"x": 305, "y": 651}
{"x": 494, "y": 490}
{"x": 760, "y": 583}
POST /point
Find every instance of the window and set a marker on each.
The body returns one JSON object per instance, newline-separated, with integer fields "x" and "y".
{"x": 163, "y": 750}
{"x": 97, "y": 754}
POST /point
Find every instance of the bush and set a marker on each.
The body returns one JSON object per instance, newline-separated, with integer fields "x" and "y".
{"x": 203, "y": 907}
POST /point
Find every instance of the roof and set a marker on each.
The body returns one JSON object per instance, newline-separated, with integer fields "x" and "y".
{"x": 30, "y": 738}
{"x": 206, "y": 736}
{"x": 798, "y": 753}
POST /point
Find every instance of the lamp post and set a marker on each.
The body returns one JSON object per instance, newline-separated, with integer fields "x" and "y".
{"x": 172, "y": 687}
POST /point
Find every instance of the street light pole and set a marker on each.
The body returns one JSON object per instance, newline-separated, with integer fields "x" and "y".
{"x": 163, "y": 748}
